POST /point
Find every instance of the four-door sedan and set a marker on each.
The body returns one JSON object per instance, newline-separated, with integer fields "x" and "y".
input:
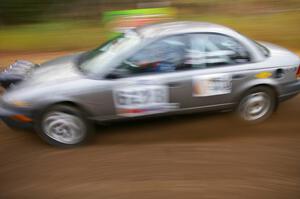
{"x": 160, "y": 69}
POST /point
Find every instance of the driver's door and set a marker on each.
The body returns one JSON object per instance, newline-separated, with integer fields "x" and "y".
{"x": 149, "y": 82}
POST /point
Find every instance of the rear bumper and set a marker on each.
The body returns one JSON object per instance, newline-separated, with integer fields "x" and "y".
{"x": 289, "y": 90}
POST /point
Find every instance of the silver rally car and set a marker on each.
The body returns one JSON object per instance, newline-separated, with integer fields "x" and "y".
{"x": 160, "y": 69}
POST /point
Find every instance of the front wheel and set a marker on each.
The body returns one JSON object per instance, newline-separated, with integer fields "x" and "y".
{"x": 257, "y": 105}
{"x": 63, "y": 126}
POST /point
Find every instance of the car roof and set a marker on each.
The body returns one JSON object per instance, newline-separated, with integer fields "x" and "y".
{"x": 173, "y": 28}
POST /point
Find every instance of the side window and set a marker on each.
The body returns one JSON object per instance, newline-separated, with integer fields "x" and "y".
{"x": 163, "y": 55}
{"x": 212, "y": 50}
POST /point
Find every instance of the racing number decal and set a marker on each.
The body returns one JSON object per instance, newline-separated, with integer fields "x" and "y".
{"x": 209, "y": 85}
{"x": 141, "y": 99}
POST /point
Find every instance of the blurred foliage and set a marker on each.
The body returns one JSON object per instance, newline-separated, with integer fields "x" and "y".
{"x": 51, "y": 25}
{"x": 51, "y": 36}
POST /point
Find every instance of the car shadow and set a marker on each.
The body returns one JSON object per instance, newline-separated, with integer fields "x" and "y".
{"x": 197, "y": 127}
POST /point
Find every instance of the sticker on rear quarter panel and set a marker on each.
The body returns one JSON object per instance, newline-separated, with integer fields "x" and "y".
{"x": 137, "y": 100}
{"x": 209, "y": 85}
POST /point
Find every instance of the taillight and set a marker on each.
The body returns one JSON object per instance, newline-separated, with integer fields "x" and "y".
{"x": 298, "y": 73}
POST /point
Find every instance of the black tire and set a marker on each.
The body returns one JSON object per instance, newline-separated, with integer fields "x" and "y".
{"x": 257, "y": 105}
{"x": 64, "y": 118}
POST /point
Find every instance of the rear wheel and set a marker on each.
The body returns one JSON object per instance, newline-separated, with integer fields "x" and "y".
{"x": 64, "y": 126}
{"x": 257, "y": 105}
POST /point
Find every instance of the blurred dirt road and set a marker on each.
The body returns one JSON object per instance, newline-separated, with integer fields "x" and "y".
{"x": 192, "y": 156}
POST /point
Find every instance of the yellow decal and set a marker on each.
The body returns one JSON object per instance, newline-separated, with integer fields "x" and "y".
{"x": 263, "y": 75}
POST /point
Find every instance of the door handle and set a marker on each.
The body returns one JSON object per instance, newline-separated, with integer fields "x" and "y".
{"x": 173, "y": 84}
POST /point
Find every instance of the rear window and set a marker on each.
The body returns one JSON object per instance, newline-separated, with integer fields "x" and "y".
{"x": 265, "y": 51}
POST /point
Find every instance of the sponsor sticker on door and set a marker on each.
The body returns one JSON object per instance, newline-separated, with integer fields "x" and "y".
{"x": 209, "y": 85}
{"x": 136, "y": 100}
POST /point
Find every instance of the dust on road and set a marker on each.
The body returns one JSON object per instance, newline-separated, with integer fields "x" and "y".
{"x": 192, "y": 156}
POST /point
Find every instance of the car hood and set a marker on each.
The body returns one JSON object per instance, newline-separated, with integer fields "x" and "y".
{"x": 55, "y": 71}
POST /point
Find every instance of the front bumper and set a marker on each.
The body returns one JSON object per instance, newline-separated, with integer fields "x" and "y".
{"x": 289, "y": 90}
{"x": 16, "y": 118}
{"x": 5, "y": 112}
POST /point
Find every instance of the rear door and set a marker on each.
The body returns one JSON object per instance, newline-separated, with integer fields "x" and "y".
{"x": 215, "y": 61}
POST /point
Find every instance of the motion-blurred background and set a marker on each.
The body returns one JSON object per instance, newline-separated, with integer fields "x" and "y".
{"x": 56, "y": 25}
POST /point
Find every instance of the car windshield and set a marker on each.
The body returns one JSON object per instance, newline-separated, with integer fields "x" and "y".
{"x": 98, "y": 60}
